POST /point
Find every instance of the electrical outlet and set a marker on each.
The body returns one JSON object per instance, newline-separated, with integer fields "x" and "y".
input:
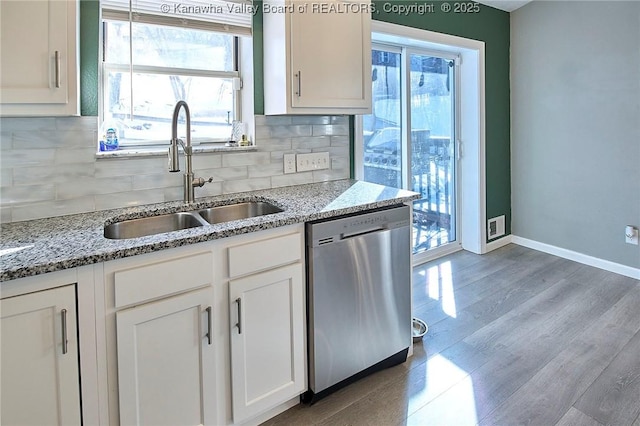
{"x": 631, "y": 235}
{"x": 312, "y": 161}
{"x": 289, "y": 163}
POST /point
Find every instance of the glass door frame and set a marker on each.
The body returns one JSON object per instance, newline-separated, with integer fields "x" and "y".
{"x": 406, "y": 154}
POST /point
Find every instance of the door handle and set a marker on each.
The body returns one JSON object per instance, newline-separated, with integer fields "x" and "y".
{"x": 239, "y": 323}
{"x": 57, "y": 68}
{"x": 209, "y": 325}
{"x": 65, "y": 342}
{"x": 299, "y": 76}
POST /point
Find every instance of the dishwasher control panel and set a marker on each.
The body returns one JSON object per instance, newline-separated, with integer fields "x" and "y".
{"x": 337, "y": 229}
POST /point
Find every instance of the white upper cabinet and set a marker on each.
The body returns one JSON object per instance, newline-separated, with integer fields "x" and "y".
{"x": 38, "y": 64}
{"x": 317, "y": 57}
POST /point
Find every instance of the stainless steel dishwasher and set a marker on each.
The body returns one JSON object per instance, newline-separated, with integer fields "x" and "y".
{"x": 358, "y": 297}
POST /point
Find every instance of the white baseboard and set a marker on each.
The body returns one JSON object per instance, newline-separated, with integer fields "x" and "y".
{"x": 496, "y": 244}
{"x": 578, "y": 257}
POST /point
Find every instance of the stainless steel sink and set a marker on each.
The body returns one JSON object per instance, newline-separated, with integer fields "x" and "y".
{"x": 238, "y": 211}
{"x": 152, "y": 225}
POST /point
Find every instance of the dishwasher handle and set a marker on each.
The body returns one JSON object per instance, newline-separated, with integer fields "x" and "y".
{"x": 346, "y": 236}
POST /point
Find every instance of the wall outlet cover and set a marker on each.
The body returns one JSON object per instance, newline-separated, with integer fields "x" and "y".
{"x": 289, "y": 163}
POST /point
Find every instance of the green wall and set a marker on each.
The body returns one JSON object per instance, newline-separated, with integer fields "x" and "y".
{"x": 89, "y": 59}
{"x": 488, "y": 25}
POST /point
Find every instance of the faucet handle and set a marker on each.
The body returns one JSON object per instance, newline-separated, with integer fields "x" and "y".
{"x": 201, "y": 181}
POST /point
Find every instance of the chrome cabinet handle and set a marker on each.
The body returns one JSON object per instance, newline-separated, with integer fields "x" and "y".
{"x": 57, "y": 69}
{"x": 65, "y": 343}
{"x": 209, "y": 327}
{"x": 299, "y": 76}
{"x": 239, "y": 323}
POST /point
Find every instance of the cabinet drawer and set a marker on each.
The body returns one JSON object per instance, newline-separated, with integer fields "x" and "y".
{"x": 265, "y": 254}
{"x": 143, "y": 283}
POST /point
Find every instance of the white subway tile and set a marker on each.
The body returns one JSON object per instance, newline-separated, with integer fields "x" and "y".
{"x": 6, "y": 140}
{"x": 331, "y": 130}
{"x": 335, "y": 151}
{"x": 60, "y": 154}
{"x": 75, "y": 155}
{"x": 128, "y": 199}
{"x": 5, "y": 214}
{"x": 262, "y": 170}
{"x": 27, "y": 194}
{"x": 174, "y": 193}
{"x": 242, "y": 185}
{"x": 53, "y": 139}
{"x": 6, "y": 177}
{"x": 27, "y": 157}
{"x": 53, "y": 174}
{"x": 160, "y": 180}
{"x": 33, "y": 124}
{"x": 53, "y": 209}
{"x": 203, "y": 160}
{"x": 281, "y": 144}
{"x": 311, "y": 142}
{"x": 340, "y": 140}
{"x": 130, "y": 166}
{"x": 77, "y": 123}
{"x": 319, "y": 119}
{"x": 289, "y": 131}
{"x": 90, "y": 186}
{"x": 225, "y": 173}
{"x": 330, "y": 174}
{"x": 245, "y": 158}
{"x": 272, "y": 120}
{"x": 292, "y": 179}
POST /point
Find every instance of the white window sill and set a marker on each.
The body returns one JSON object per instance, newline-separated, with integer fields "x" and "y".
{"x": 156, "y": 151}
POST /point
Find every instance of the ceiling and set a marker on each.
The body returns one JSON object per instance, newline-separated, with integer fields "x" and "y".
{"x": 506, "y": 5}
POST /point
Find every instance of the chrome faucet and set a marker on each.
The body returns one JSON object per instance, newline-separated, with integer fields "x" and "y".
{"x": 174, "y": 159}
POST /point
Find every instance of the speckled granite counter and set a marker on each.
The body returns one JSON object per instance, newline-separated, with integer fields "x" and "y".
{"x": 46, "y": 245}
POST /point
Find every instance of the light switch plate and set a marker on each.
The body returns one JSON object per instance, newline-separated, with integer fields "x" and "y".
{"x": 312, "y": 161}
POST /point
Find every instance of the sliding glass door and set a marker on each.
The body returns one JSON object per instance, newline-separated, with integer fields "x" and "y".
{"x": 409, "y": 138}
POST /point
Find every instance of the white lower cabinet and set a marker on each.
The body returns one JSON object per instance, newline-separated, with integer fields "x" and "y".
{"x": 166, "y": 361}
{"x": 267, "y": 340}
{"x": 40, "y": 373}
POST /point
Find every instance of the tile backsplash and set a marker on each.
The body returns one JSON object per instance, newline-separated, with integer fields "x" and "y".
{"x": 48, "y": 165}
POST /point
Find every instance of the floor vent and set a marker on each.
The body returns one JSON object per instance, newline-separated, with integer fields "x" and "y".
{"x": 495, "y": 227}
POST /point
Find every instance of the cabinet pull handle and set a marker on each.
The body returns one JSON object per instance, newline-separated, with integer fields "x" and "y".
{"x": 65, "y": 343}
{"x": 57, "y": 69}
{"x": 299, "y": 75}
{"x": 239, "y": 323}
{"x": 209, "y": 327}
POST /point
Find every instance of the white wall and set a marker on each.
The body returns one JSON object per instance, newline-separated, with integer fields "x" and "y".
{"x": 575, "y": 125}
{"x": 48, "y": 165}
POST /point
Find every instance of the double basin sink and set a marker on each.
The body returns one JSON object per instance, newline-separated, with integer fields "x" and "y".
{"x": 133, "y": 228}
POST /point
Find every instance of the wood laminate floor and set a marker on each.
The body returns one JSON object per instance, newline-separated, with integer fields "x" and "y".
{"x": 515, "y": 337}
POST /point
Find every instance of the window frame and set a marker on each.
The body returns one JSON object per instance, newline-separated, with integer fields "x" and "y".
{"x": 242, "y": 101}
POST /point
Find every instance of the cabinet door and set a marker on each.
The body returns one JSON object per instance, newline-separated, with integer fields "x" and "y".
{"x": 267, "y": 340}
{"x": 38, "y": 55}
{"x": 40, "y": 377}
{"x": 166, "y": 361}
{"x": 331, "y": 55}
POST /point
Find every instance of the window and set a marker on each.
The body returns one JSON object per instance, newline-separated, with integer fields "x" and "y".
{"x": 155, "y": 54}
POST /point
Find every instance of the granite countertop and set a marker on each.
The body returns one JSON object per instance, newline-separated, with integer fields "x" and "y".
{"x": 46, "y": 245}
